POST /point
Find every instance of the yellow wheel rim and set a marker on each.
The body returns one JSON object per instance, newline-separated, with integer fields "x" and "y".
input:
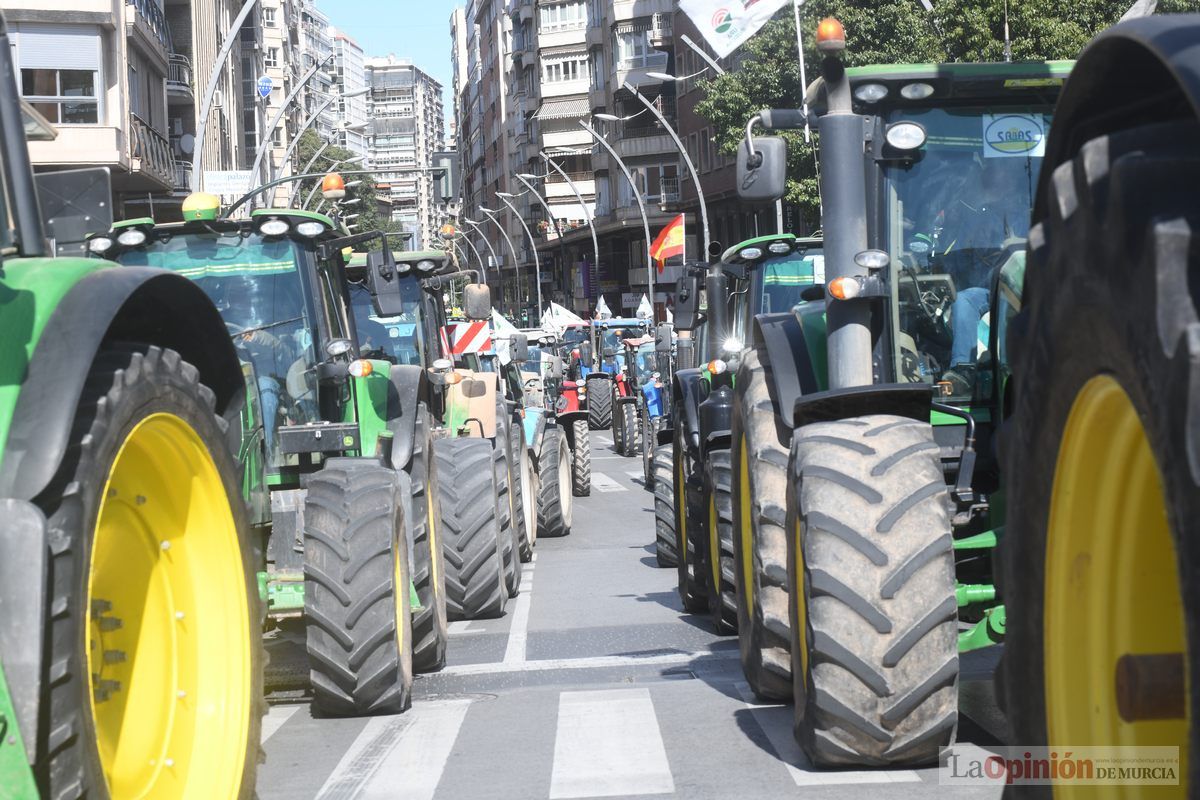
{"x": 680, "y": 499}
{"x": 1112, "y": 582}
{"x": 801, "y": 601}
{"x": 714, "y": 545}
{"x": 747, "y": 540}
{"x": 168, "y": 622}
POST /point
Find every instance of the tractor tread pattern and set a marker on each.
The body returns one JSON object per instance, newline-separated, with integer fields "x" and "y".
{"x": 879, "y": 669}
{"x": 666, "y": 539}
{"x": 581, "y": 459}
{"x": 430, "y": 632}
{"x": 553, "y": 519}
{"x": 722, "y": 599}
{"x": 470, "y": 529}
{"x": 502, "y": 464}
{"x": 599, "y": 403}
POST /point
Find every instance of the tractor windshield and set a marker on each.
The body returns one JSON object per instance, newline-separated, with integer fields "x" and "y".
{"x": 785, "y": 277}
{"x": 647, "y": 362}
{"x": 398, "y": 339}
{"x": 955, "y": 216}
{"x": 257, "y": 285}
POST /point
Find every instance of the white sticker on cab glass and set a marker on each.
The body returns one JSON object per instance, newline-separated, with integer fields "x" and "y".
{"x": 1013, "y": 135}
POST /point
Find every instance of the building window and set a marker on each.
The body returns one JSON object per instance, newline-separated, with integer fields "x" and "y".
{"x": 562, "y": 16}
{"x": 561, "y": 71}
{"x": 268, "y": 17}
{"x": 272, "y": 59}
{"x": 633, "y": 50}
{"x": 63, "y": 96}
{"x": 705, "y": 151}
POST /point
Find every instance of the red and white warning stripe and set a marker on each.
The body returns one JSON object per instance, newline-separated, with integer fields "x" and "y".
{"x": 470, "y": 337}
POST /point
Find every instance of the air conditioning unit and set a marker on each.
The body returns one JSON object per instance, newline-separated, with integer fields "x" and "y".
{"x": 218, "y": 99}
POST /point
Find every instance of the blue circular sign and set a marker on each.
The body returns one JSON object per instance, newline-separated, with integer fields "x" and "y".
{"x": 264, "y": 86}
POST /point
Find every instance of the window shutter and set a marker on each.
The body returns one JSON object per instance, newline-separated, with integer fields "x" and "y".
{"x": 49, "y": 46}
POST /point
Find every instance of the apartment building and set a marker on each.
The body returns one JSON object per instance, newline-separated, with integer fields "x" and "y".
{"x": 350, "y": 117}
{"x": 407, "y": 128}
{"x": 121, "y": 83}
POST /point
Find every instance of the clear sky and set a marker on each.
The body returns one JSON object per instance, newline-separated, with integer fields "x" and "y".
{"x": 416, "y": 29}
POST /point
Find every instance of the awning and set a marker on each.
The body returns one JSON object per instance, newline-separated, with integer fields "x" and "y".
{"x": 576, "y": 108}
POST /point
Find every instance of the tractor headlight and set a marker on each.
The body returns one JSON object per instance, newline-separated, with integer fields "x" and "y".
{"x": 871, "y": 92}
{"x": 426, "y": 266}
{"x": 732, "y": 345}
{"x": 100, "y": 244}
{"x": 274, "y": 227}
{"x": 905, "y": 135}
{"x": 132, "y": 237}
{"x": 750, "y": 253}
{"x": 403, "y": 268}
{"x": 916, "y": 91}
{"x": 779, "y": 248}
{"x": 717, "y": 366}
{"x": 310, "y": 229}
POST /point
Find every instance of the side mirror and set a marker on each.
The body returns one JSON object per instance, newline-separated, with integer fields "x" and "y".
{"x": 662, "y": 338}
{"x": 75, "y": 203}
{"x": 556, "y": 368}
{"x": 477, "y": 301}
{"x": 383, "y": 283}
{"x": 762, "y": 171}
{"x": 520, "y": 348}
{"x": 585, "y": 352}
{"x": 687, "y": 302}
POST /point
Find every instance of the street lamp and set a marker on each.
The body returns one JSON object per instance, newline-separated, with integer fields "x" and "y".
{"x": 486, "y": 241}
{"x": 332, "y": 167}
{"x": 587, "y": 214}
{"x": 505, "y": 197}
{"x": 267, "y": 137}
{"x": 686, "y": 159}
{"x": 525, "y": 178}
{"x": 615, "y": 118}
{"x": 511, "y": 249}
{"x": 311, "y": 118}
{"x": 641, "y": 201}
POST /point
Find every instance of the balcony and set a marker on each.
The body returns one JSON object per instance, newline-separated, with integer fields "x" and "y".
{"x": 669, "y": 188}
{"x": 596, "y": 33}
{"x": 179, "y": 80}
{"x": 183, "y": 177}
{"x": 661, "y": 31}
{"x": 150, "y": 153}
{"x": 145, "y": 23}
{"x": 645, "y": 142}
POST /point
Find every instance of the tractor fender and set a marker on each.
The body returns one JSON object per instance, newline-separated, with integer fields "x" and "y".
{"x": 913, "y": 400}
{"x": 534, "y": 421}
{"x": 23, "y": 551}
{"x": 1110, "y": 81}
{"x": 689, "y": 392}
{"x": 716, "y": 420}
{"x": 126, "y": 304}
{"x": 403, "y": 396}
{"x": 792, "y": 371}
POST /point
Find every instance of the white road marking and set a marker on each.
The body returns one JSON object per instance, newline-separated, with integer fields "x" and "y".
{"x": 518, "y": 629}
{"x": 595, "y": 662}
{"x": 399, "y": 757}
{"x": 608, "y": 743}
{"x": 276, "y": 716}
{"x": 603, "y": 483}
{"x": 636, "y": 474}
{"x": 776, "y": 722}
{"x": 459, "y": 626}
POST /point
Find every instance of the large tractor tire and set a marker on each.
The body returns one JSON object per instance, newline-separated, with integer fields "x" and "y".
{"x": 554, "y": 484}
{"x": 760, "y": 486}
{"x": 508, "y": 511}
{"x": 475, "y": 587}
{"x": 631, "y": 436}
{"x": 619, "y": 432}
{"x": 873, "y": 611}
{"x": 151, "y": 572}
{"x": 357, "y": 605}
{"x": 428, "y": 568}
{"x": 649, "y": 441}
{"x": 719, "y": 573}
{"x": 666, "y": 538}
{"x": 523, "y": 491}
{"x": 599, "y": 403}
{"x": 689, "y": 554}
{"x": 581, "y": 459}
{"x": 1101, "y": 454}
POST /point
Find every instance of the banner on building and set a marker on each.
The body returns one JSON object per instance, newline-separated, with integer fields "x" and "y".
{"x": 669, "y": 242}
{"x": 726, "y": 24}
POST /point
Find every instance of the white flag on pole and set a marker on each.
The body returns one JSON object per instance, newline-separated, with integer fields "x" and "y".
{"x": 726, "y": 24}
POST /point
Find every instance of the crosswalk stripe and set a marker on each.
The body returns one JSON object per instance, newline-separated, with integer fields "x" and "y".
{"x": 775, "y": 720}
{"x": 518, "y": 629}
{"x": 273, "y": 721}
{"x": 400, "y": 757}
{"x": 608, "y": 743}
{"x": 603, "y": 483}
{"x": 594, "y": 662}
{"x": 636, "y": 474}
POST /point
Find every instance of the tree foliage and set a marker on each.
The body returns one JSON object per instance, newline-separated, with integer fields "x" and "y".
{"x": 767, "y": 75}
{"x": 368, "y": 209}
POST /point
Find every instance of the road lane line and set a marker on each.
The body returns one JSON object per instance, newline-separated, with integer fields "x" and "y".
{"x": 636, "y": 474}
{"x": 603, "y": 483}
{"x": 276, "y": 716}
{"x": 399, "y": 757}
{"x": 775, "y": 720}
{"x": 595, "y": 662}
{"x": 518, "y": 629}
{"x": 608, "y": 743}
{"x": 458, "y": 626}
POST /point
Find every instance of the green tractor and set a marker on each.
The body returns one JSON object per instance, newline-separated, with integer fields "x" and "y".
{"x": 401, "y": 313}
{"x": 866, "y": 499}
{"x": 1100, "y": 446}
{"x": 335, "y": 449}
{"x": 124, "y": 547}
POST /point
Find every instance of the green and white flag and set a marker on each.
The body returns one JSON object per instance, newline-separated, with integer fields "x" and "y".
{"x": 726, "y": 24}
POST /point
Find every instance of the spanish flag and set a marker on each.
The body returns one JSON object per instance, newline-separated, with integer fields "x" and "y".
{"x": 669, "y": 242}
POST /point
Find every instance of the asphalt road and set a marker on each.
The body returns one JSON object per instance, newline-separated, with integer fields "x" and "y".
{"x": 594, "y": 684}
